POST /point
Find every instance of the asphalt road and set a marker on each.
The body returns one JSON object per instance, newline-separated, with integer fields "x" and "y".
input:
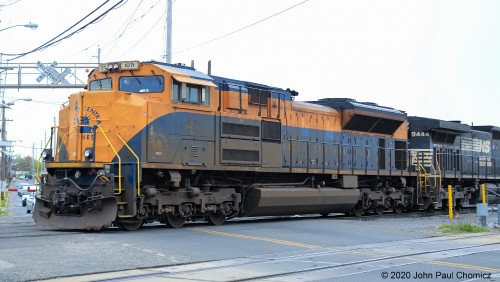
{"x": 313, "y": 248}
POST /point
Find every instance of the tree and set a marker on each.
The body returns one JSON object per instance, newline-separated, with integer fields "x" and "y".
{"x": 24, "y": 164}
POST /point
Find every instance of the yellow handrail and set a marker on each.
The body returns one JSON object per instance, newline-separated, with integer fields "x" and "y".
{"x": 138, "y": 164}
{"x": 119, "y": 161}
{"x": 37, "y": 175}
{"x": 62, "y": 141}
{"x": 434, "y": 173}
{"x": 422, "y": 168}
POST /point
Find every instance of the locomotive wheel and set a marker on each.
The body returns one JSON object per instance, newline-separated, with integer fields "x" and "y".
{"x": 357, "y": 211}
{"x": 216, "y": 218}
{"x": 174, "y": 221}
{"x": 431, "y": 208}
{"x": 398, "y": 209}
{"x": 131, "y": 225}
{"x": 379, "y": 210}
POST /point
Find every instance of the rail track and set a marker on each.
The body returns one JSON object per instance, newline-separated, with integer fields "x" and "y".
{"x": 325, "y": 263}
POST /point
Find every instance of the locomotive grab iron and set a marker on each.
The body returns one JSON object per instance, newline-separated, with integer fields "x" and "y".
{"x": 149, "y": 141}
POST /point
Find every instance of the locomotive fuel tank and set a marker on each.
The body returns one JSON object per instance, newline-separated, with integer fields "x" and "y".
{"x": 293, "y": 200}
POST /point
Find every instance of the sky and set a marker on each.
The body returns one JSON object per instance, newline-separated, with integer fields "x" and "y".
{"x": 437, "y": 59}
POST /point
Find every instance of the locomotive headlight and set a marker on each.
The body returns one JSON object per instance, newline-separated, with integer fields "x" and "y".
{"x": 47, "y": 154}
{"x": 88, "y": 153}
{"x": 113, "y": 67}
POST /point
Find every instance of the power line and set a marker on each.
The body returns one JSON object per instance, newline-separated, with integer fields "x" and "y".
{"x": 145, "y": 34}
{"x": 243, "y": 28}
{"x": 9, "y": 4}
{"x": 48, "y": 42}
{"x": 130, "y": 24}
{"x": 110, "y": 38}
{"x": 117, "y": 35}
{"x": 53, "y": 41}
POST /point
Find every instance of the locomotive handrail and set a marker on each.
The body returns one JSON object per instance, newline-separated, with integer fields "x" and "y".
{"x": 37, "y": 175}
{"x": 421, "y": 169}
{"x": 439, "y": 169}
{"x": 60, "y": 146}
{"x": 119, "y": 160}
{"x": 435, "y": 180}
{"x": 138, "y": 164}
{"x": 62, "y": 143}
{"x": 434, "y": 171}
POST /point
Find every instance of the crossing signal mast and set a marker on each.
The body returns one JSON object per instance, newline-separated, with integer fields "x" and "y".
{"x": 40, "y": 75}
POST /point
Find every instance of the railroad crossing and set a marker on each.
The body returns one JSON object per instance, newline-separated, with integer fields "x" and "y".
{"x": 44, "y": 75}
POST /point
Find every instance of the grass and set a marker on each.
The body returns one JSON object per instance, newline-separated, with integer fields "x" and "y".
{"x": 3, "y": 204}
{"x": 463, "y": 227}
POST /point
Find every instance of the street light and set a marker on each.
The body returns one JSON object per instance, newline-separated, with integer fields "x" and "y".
{"x": 30, "y": 25}
{"x": 3, "y": 163}
{"x": 4, "y": 105}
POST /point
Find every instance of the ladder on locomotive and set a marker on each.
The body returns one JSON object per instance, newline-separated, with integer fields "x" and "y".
{"x": 127, "y": 206}
{"x": 428, "y": 177}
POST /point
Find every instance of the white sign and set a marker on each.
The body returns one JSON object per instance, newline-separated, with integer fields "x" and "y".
{"x": 52, "y": 74}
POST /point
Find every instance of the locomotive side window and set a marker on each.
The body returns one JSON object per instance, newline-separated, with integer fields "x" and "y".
{"x": 176, "y": 91}
{"x": 142, "y": 84}
{"x": 100, "y": 84}
{"x": 191, "y": 93}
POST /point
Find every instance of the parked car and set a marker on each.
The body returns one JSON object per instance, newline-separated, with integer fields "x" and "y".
{"x": 30, "y": 203}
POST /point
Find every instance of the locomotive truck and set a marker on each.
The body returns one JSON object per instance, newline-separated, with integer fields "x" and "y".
{"x": 150, "y": 141}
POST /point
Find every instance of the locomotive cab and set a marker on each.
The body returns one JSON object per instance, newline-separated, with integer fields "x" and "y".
{"x": 107, "y": 133}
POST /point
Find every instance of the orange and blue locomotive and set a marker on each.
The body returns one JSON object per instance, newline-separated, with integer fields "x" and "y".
{"x": 149, "y": 141}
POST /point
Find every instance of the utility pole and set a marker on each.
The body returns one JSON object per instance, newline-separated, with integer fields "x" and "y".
{"x": 168, "y": 51}
{"x": 33, "y": 168}
{"x": 98, "y": 54}
{"x": 3, "y": 166}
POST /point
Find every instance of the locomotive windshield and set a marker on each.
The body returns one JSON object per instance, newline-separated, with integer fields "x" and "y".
{"x": 100, "y": 84}
{"x": 142, "y": 84}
